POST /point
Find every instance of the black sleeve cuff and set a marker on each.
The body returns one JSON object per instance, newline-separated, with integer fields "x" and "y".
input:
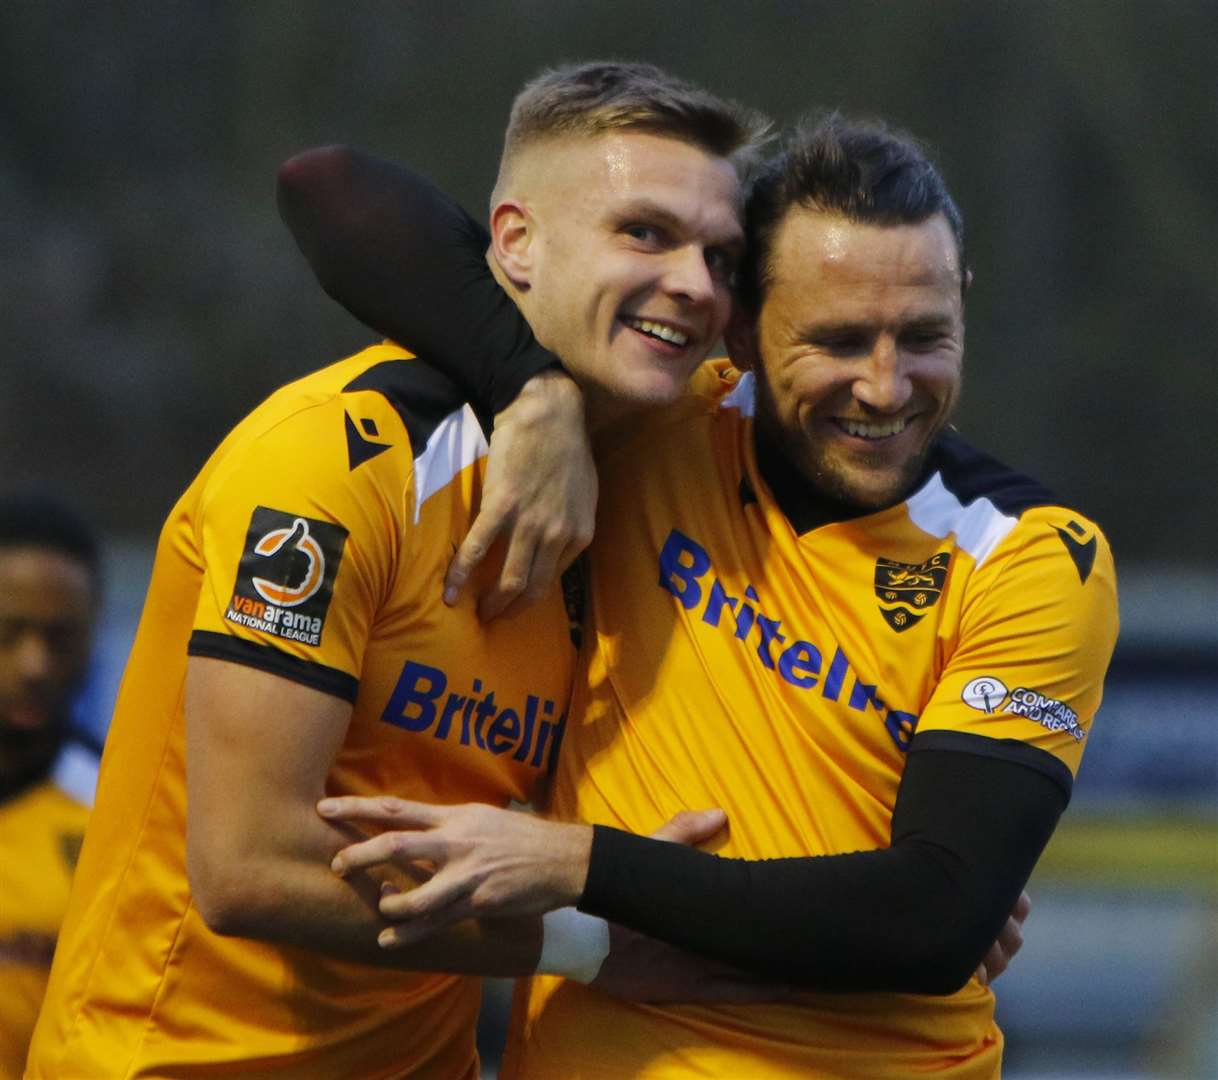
{"x": 1012, "y": 750}
{"x": 265, "y": 658}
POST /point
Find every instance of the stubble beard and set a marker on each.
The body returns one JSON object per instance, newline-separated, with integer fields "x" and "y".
{"x": 828, "y": 478}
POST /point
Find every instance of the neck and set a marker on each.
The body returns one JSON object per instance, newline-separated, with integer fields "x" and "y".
{"x": 605, "y": 411}
{"x": 25, "y": 762}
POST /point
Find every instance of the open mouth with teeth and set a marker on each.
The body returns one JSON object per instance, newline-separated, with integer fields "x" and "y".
{"x": 872, "y": 430}
{"x": 657, "y": 331}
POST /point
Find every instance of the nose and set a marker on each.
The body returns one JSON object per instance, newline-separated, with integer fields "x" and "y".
{"x": 883, "y": 382}
{"x": 34, "y": 657}
{"x": 688, "y": 275}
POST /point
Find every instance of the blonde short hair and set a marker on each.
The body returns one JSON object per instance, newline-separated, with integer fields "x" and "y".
{"x": 593, "y": 98}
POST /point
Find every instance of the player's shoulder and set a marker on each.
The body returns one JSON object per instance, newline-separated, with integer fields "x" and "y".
{"x": 993, "y": 508}
{"x": 379, "y": 403}
{"x": 383, "y": 381}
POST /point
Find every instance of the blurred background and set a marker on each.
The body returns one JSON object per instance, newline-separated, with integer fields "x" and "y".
{"x": 151, "y": 298}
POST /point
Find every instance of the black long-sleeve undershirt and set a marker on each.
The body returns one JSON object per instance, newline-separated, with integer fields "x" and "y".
{"x": 916, "y": 917}
{"x": 972, "y": 814}
{"x": 408, "y": 261}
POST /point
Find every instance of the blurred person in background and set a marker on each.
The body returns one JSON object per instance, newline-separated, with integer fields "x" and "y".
{"x": 50, "y": 588}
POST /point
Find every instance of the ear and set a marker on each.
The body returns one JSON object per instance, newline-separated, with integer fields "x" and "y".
{"x": 512, "y": 234}
{"x": 741, "y": 339}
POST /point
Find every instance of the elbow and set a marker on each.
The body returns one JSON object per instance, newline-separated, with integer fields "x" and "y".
{"x": 226, "y": 895}
{"x": 310, "y": 190}
{"x": 222, "y": 906}
{"x": 940, "y": 977}
{"x": 303, "y": 175}
{"x": 943, "y": 965}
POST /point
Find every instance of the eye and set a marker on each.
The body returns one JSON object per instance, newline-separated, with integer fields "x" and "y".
{"x": 722, "y": 264}
{"x": 644, "y": 234}
{"x": 923, "y": 340}
{"x": 841, "y": 344}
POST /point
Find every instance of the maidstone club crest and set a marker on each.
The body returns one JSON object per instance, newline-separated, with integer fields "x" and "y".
{"x": 907, "y": 590}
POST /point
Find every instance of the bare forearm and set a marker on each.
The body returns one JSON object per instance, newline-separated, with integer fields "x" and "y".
{"x": 294, "y": 898}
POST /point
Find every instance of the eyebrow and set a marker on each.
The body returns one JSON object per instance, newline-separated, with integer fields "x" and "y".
{"x": 641, "y": 206}
{"x": 824, "y": 329}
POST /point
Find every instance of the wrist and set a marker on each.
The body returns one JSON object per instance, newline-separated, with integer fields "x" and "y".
{"x": 548, "y": 395}
{"x": 570, "y": 848}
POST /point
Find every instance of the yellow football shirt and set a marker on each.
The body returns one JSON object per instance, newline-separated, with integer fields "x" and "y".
{"x": 312, "y": 545}
{"x": 781, "y": 675}
{"x": 40, "y": 835}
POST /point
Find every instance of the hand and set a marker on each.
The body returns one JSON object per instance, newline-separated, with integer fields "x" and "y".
{"x": 487, "y": 863}
{"x": 1009, "y": 942}
{"x": 540, "y": 490}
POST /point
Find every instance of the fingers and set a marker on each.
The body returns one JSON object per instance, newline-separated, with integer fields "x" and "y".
{"x": 407, "y": 933}
{"x": 487, "y": 526}
{"x": 691, "y": 826}
{"x": 992, "y": 966}
{"x": 1023, "y": 908}
{"x": 516, "y": 577}
{"x": 382, "y": 810}
{"x": 444, "y": 897}
{"x": 1009, "y": 942}
{"x": 389, "y": 847}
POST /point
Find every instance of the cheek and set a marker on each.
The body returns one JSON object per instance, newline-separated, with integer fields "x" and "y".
{"x": 723, "y": 311}
{"x": 813, "y": 392}
{"x": 943, "y": 381}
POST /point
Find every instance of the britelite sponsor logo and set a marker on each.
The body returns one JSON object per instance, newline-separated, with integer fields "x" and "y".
{"x": 686, "y": 572}
{"x": 421, "y": 702}
{"x": 987, "y": 694}
{"x": 286, "y": 575}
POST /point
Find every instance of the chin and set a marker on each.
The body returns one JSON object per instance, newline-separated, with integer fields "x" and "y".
{"x": 648, "y": 388}
{"x": 871, "y": 491}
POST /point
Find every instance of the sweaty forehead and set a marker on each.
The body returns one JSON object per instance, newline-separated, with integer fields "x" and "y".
{"x": 813, "y": 247}
{"x": 614, "y": 169}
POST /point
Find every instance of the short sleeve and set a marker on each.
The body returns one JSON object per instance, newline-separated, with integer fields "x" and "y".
{"x": 299, "y": 539}
{"x": 1037, "y": 631}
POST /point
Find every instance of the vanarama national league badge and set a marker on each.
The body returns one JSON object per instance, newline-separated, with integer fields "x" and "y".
{"x": 286, "y": 575}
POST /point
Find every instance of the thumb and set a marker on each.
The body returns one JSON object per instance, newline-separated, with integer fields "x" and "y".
{"x": 691, "y": 826}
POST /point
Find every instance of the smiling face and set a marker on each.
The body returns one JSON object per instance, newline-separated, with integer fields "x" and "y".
{"x": 858, "y": 350}
{"x": 620, "y": 249}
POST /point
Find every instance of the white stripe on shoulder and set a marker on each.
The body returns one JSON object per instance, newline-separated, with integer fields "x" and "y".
{"x": 456, "y": 443}
{"x": 75, "y": 773}
{"x": 743, "y": 395}
{"x": 979, "y": 526}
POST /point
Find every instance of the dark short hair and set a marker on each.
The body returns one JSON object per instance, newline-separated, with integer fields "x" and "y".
{"x": 865, "y": 171}
{"x": 599, "y": 96}
{"x": 41, "y": 520}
